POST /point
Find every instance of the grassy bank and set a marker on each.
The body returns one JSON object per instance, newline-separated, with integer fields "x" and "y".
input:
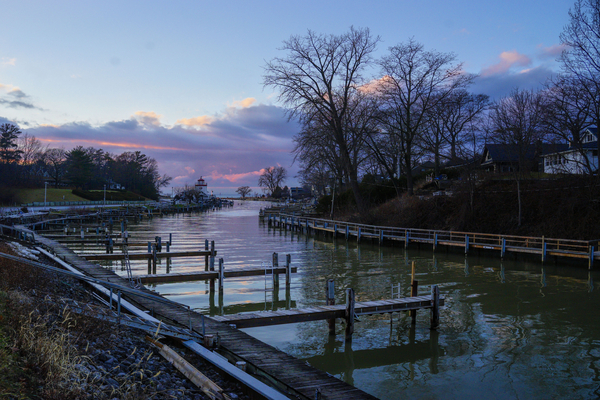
{"x": 52, "y": 194}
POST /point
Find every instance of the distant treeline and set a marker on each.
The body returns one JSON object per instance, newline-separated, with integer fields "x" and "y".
{"x": 24, "y": 162}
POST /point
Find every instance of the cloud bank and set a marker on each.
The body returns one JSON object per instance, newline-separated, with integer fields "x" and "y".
{"x": 229, "y": 150}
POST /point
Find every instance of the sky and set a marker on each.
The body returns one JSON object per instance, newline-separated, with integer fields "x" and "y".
{"x": 181, "y": 81}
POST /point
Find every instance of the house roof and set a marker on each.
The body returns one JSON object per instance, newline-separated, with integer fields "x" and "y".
{"x": 506, "y": 152}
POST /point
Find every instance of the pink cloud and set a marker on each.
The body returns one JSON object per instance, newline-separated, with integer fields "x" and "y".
{"x": 552, "y": 51}
{"x": 148, "y": 118}
{"x": 508, "y": 59}
{"x": 233, "y": 178}
{"x": 196, "y": 121}
{"x": 247, "y": 102}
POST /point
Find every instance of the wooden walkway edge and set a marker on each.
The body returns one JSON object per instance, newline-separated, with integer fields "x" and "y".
{"x": 268, "y": 318}
{"x": 205, "y": 275}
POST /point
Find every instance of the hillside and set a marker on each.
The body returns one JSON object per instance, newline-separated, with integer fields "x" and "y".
{"x": 565, "y": 208}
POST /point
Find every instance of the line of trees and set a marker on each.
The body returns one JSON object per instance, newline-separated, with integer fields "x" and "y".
{"x": 418, "y": 107}
{"x": 25, "y": 162}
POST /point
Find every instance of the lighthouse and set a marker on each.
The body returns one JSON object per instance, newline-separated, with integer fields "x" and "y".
{"x": 201, "y": 187}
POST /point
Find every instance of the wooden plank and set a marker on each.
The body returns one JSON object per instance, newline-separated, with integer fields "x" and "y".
{"x": 145, "y": 256}
{"x": 205, "y": 275}
{"x": 268, "y": 318}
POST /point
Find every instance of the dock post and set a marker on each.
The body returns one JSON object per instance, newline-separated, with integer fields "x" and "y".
{"x": 288, "y": 270}
{"x": 159, "y": 244}
{"x": 149, "y": 259}
{"x": 347, "y": 232}
{"x": 543, "y": 249}
{"x": 435, "y": 307}
{"x": 206, "y": 256}
{"x": 406, "y": 238}
{"x": 221, "y": 274}
{"x": 381, "y": 237}
{"x": 330, "y": 301}
{"x": 212, "y": 268}
{"x": 82, "y": 233}
{"x": 154, "y": 258}
{"x": 435, "y": 240}
{"x": 275, "y": 273}
{"x": 591, "y": 263}
{"x": 111, "y": 245}
{"x": 358, "y": 235}
{"x": 466, "y": 244}
{"x": 503, "y": 251}
{"x": 334, "y": 230}
{"x": 307, "y": 226}
{"x": 414, "y": 291}
{"x": 350, "y": 300}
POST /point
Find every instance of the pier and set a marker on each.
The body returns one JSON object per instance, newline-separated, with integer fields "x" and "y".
{"x": 267, "y": 318}
{"x": 544, "y": 249}
{"x": 289, "y": 375}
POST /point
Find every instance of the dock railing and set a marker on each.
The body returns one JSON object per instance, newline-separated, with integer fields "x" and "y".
{"x": 543, "y": 246}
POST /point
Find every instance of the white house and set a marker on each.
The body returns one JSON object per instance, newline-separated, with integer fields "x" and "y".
{"x": 574, "y": 158}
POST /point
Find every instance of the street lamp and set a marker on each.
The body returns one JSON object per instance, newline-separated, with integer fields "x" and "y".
{"x": 45, "y": 189}
{"x": 104, "y": 195}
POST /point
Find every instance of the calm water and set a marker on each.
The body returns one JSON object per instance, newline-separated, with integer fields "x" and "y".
{"x": 508, "y": 330}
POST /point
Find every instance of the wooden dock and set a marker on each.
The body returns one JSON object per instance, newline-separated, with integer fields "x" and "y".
{"x": 316, "y": 313}
{"x": 205, "y": 275}
{"x": 147, "y": 256}
{"x": 289, "y": 375}
{"x": 502, "y": 245}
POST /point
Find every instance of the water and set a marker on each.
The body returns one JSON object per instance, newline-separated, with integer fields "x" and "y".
{"x": 508, "y": 330}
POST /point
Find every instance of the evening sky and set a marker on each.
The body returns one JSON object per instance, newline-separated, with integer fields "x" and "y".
{"x": 181, "y": 81}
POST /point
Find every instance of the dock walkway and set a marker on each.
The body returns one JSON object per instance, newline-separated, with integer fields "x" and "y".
{"x": 288, "y": 374}
{"x": 542, "y": 247}
{"x": 267, "y": 318}
{"x": 205, "y": 275}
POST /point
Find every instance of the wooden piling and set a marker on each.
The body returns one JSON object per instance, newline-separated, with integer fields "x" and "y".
{"x": 350, "y": 302}
{"x": 212, "y": 268}
{"x": 435, "y": 309}
{"x": 206, "y": 256}
{"x": 154, "y": 258}
{"x": 414, "y": 291}
{"x": 288, "y": 270}
{"x": 275, "y": 265}
{"x": 221, "y": 274}
{"x": 330, "y": 301}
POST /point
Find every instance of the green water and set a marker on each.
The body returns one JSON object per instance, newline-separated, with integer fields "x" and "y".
{"x": 508, "y": 330}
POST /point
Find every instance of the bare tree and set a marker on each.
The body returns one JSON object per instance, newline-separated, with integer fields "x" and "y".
{"x": 55, "y": 164}
{"x": 272, "y": 178}
{"x": 317, "y": 78}
{"x": 517, "y": 122}
{"x": 581, "y": 57}
{"x": 567, "y": 116}
{"x": 243, "y": 191}
{"x": 415, "y": 81}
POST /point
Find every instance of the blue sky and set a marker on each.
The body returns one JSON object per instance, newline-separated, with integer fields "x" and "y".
{"x": 182, "y": 80}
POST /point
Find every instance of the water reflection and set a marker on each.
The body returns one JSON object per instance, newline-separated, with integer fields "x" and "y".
{"x": 510, "y": 329}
